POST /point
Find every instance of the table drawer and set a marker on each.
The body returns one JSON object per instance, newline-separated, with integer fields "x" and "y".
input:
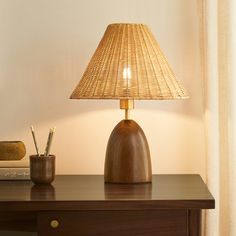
{"x": 115, "y": 223}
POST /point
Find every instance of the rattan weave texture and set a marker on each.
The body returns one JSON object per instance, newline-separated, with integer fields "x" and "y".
{"x": 128, "y": 64}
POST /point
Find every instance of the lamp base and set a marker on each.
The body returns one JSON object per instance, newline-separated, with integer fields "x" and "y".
{"x": 127, "y": 155}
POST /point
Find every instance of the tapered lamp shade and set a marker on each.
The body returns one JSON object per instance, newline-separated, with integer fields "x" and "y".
{"x": 128, "y": 64}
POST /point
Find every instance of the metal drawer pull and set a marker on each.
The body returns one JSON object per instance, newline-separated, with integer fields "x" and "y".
{"x": 54, "y": 224}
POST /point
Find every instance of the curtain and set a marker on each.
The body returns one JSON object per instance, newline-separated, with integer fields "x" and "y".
{"x": 218, "y": 56}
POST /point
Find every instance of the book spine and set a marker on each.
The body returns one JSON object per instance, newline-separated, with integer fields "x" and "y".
{"x": 14, "y": 164}
{"x": 14, "y": 173}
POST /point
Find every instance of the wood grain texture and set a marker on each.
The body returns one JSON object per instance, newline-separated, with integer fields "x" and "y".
{"x": 194, "y": 222}
{"x": 116, "y": 223}
{"x": 42, "y": 169}
{"x": 18, "y": 221}
{"x": 84, "y": 205}
{"x": 127, "y": 155}
{"x": 90, "y": 193}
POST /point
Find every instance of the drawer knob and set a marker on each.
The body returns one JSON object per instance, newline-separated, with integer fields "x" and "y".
{"x": 54, "y": 224}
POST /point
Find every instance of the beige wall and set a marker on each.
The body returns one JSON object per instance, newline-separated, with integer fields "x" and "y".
{"x": 44, "y": 48}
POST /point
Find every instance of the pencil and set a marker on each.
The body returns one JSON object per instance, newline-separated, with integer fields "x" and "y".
{"x": 35, "y": 143}
{"x": 49, "y": 142}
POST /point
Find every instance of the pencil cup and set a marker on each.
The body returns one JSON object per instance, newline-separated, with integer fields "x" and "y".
{"x": 42, "y": 169}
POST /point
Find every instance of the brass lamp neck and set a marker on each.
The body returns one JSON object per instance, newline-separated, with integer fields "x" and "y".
{"x": 126, "y": 104}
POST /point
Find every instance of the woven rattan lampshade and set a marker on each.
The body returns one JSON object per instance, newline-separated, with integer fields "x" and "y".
{"x": 128, "y": 64}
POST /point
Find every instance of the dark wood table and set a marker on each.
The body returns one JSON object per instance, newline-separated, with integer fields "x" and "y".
{"x": 84, "y": 205}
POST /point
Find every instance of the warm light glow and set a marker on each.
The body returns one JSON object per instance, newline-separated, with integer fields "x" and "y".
{"x": 127, "y": 73}
{"x": 127, "y": 77}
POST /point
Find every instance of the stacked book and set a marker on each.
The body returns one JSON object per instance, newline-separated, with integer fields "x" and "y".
{"x": 15, "y": 170}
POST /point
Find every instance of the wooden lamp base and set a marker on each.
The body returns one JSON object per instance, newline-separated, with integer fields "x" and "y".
{"x": 127, "y": 155}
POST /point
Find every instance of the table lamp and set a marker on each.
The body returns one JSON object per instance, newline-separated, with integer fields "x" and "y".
{"x": 128, "y": 65}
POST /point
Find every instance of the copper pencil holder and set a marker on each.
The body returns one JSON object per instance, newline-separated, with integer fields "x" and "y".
{"x": 42, "y": 169}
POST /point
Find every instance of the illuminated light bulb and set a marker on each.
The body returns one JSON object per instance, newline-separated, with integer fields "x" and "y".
{"x": 127, "y": 73}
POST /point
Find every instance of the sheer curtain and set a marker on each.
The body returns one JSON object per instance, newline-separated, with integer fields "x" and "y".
{"x": 218, "y": 48}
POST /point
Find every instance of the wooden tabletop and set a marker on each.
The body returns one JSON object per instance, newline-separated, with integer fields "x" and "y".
{"x": 88, "y": 192}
